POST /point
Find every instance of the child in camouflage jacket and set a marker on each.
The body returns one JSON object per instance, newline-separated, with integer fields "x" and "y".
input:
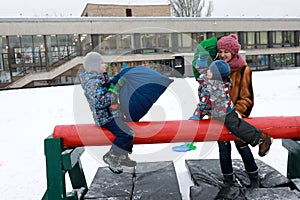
{"x": 95, "y": 83}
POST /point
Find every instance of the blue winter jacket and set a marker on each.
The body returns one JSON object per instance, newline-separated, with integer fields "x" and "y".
{"x": 98, "y": 97}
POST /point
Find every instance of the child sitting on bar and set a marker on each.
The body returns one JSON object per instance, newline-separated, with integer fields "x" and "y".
{"x": 95, "y": 82}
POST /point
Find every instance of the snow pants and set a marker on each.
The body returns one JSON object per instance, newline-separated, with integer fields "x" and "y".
{"x": 124, "y": 136}
{"x": 241, "y": 129}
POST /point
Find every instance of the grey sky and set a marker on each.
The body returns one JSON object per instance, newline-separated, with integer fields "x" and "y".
{"x": 272, "y": 8}
{"x": 65, "y": 8}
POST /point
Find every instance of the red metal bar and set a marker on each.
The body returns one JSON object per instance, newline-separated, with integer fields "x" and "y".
{"x": 175, "y": 131}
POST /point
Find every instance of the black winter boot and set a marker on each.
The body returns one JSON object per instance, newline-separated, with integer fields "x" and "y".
{"x": 228, "y": 180}
{"x": 230, "y": 189}
{"x": 113, "y": 160}
{"x": 254, "y": 179}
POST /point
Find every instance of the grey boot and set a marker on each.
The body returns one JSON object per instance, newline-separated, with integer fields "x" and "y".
{"x": 254, "y": 179}
{"x": 113, "y": 160}
{"x": 126, "y": 161}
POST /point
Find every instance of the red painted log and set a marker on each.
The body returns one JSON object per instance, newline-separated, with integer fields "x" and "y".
{"x": 175, "y": 131}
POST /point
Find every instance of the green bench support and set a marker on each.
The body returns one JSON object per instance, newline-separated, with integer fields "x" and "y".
{"x": 293, "y": 166}
{"x": 60, "y": 161}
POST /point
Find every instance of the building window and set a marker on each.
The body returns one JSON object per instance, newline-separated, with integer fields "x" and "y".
{"x": 164, "y": 41}
{"x": 185, "y": 42}
{"x": 107, "y": 44}
{"x": 259, "y": 62}
{"x": 128, "y": 12}
{"x": 197, "y": 38}
{"x": 283, "y": 60}
{"x": 156, "y": 41}
{"x": 288, "y": 39}
{"x": 86, "y": 43}
{"x": 250, "y": 38}
{"x": 63, "y": 43}
{"x": 27, "y": 49}
{"x": 254, "y": 40}
{"x": 54, "y": 53}
{"x": 261, "y": 40}
{"x": 4, "y": 66}
{"x": 124, "y": 43}
{"x": 288, "y": 60}
{"x": 14, "y": 49}
{"x": 39, "y": 50}
{"x": 283, "y": 39}
{"x": 277, "y": 39}
{"x": 148, "y": 40}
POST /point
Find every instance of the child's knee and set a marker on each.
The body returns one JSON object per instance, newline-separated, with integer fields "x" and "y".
{"x": 130, "y": 135}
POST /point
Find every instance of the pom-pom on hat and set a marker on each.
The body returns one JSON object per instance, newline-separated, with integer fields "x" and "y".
{"x": 92, "y": 62}
{"x": 230, "y": 43}
{"x": 220, "y": 70}
{"x": 202, "y": 60}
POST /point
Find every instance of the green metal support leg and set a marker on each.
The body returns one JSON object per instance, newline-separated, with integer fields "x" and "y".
{"x": 58, "y": 162}
{"x": 293, "y": 167}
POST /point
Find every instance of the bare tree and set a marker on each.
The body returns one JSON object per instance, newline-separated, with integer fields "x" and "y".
{"x": 191, "y": 8}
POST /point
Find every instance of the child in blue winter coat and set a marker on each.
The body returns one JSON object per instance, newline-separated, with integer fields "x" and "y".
{"x": 95, "y": 82}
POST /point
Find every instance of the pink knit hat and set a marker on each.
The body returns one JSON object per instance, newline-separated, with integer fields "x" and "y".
{"x": 230, "y": 43}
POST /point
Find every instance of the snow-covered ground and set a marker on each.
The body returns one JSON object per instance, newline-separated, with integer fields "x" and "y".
{"x": 28, "y": 116}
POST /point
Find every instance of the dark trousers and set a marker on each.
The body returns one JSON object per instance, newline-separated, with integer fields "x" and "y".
{"x": 123, "y": 133}
{"x": 241, "y": 129}
{"x": 247, "y": 133}
{"x": 225, "y": 158}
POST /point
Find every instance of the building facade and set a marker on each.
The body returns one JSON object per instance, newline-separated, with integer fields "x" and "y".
{"x": 111, "y": 10}
{"x": 49, "y": 51}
